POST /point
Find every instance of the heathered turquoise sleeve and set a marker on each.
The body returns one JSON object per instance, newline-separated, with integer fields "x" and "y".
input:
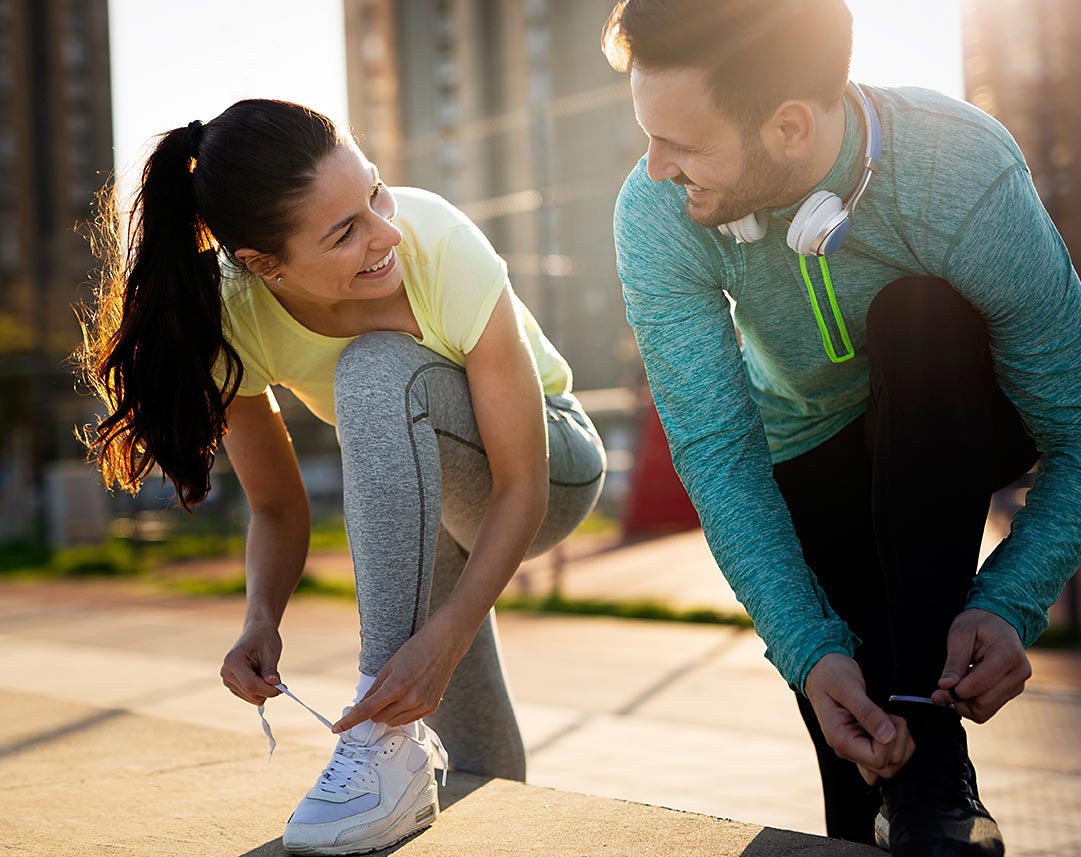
{"x": 672, "y": 279}
{"x": 1010, "y": 263}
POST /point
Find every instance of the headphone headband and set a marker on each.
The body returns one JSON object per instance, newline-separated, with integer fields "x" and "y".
{"x": 872, "y": 157}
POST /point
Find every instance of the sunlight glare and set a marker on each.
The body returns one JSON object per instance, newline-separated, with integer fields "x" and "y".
{"x": 915, "y": 43}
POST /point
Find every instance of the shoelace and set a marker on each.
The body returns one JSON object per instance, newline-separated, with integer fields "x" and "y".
{"x": 349, "y": 769}
{"x": 266, "y": 724}
{"x": 344, "y": 767}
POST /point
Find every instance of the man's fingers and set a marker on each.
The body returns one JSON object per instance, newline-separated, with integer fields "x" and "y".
{"x": 853, "y": 698}
{"x": 999, "y": 666}
{"x": 982, "y": 677}
{"x": 849, "y": 741}
{"x": 873, "y": 719}
{"x": 984, "y": 706}
{"x": 960, "y": 648}
{"x": 903, "y": 746}
{"x": 869, "y": 776}
{"x": 892, "y": 757}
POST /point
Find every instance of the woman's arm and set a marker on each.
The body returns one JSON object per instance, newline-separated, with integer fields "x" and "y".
{"x": 508, "y": 404}
{"x": 277, "y": 545}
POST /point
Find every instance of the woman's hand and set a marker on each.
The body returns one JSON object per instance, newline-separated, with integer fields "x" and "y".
{"x": 412, "y": 683}
{"x": 250, "y": 669}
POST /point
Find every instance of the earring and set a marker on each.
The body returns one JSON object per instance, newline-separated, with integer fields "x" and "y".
{"x": 279, "y": 280}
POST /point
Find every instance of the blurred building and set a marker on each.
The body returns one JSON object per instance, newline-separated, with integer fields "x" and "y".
{"x": 55, "y": 152}
{"x": 509, "y": 110}
{"x": 1023, "y": 67}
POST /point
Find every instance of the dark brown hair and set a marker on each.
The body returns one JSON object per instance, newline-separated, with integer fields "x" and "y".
{"x": 154, "y": 342}
{"x": 756, "y": 53}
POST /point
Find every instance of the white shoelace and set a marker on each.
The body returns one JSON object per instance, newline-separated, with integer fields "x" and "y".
{"x": 349, "y": 769}
{"x": 345, "y": 767}
{"x": 266, "y": 724}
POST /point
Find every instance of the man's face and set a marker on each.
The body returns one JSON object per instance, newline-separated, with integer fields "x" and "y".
{"x": 726, "y": 172}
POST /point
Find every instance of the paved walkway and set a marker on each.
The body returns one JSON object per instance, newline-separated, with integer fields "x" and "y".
{"x": 676, "y": 715}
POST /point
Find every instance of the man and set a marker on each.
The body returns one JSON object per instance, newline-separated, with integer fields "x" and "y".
{"x": 842, "y": 461}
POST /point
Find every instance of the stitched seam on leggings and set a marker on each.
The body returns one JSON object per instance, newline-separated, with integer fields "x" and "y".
{"x": 576, "y": 484}
{"x": 462, "y": 441}
{"x": 420, "y": 479}
{"x": 480, "y": 449}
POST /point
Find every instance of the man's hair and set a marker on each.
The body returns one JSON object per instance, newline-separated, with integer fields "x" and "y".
{"x": 756, "y": 54}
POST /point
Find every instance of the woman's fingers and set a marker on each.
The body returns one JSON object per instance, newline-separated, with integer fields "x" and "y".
{"x": 249, "y": 669}
{"x": 401, "y": 718}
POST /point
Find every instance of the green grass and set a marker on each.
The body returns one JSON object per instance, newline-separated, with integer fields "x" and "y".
{"x": 20, "y": 557}
{"x": 123, "y": 557}
{"x": 621, "y": 609}
{"x": 310, "y": 585}
{"x": 115, "y": 557}
{"x": 190, "y": 546}
{"x": 234, "y": 585}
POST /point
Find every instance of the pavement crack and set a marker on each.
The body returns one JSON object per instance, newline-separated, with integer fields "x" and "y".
{"x": 674, "y": 675}
{"x": 577, "y": 726}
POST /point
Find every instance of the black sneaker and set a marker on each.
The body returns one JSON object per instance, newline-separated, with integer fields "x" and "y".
{"x": 932, "y": 807}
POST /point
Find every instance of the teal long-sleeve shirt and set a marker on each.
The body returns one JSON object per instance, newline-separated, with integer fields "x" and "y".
{"x": 954, "y": 199}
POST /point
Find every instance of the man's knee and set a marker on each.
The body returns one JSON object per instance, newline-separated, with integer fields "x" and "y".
{"x": 922, "y": 325}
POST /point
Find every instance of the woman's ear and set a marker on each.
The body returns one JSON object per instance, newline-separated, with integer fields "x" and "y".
{"x": 261, "y": 264}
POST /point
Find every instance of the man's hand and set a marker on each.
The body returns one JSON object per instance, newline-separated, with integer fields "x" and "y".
{"x": 986, "y": 665}
{"x": 856, "y": 728}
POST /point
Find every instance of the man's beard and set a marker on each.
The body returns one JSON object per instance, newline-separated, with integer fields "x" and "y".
{"x": 764, "y": 187}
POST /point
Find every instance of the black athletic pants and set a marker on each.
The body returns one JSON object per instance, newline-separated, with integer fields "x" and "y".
{"x": 890, "y": 511}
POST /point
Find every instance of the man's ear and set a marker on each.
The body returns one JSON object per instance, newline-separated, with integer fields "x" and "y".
{"x": 790, "y": 132}
{"x": 261, "y": 264}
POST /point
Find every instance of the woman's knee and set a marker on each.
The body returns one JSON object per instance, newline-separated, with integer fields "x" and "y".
{"x": 381, "y": 353}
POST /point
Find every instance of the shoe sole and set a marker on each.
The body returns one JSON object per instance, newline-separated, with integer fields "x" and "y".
{"x": 418, "y": 814}
{"x": 882, "y": 832}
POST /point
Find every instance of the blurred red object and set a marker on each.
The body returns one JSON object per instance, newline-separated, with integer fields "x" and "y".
{"x": 656, "y": 500}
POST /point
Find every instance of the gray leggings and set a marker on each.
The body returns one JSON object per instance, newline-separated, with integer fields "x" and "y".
{"x": 416, "y": 487}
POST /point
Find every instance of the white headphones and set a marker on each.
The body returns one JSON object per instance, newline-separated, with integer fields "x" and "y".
{"x": 824, "y": 220}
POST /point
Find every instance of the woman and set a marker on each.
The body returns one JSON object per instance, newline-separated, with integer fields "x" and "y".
{"x": 264, "y": 249}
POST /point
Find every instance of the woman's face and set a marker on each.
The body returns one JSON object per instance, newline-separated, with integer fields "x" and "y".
{"x": 344, "y": 246}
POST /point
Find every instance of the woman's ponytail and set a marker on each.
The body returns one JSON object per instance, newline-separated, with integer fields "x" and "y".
{"x": 154, "y": 348}
{"x": 151, "y": 349}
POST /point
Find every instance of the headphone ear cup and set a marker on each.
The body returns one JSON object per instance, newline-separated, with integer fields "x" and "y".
{"x": 836, "y": 232}
{"x": 813, "y": 220}
{"x": 747, "y": 229}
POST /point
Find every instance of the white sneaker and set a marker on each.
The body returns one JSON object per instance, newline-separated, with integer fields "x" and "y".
{"x": 378, "y": 788}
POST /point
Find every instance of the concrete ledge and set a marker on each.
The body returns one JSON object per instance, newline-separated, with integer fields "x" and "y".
{"x": 88, "y": 781}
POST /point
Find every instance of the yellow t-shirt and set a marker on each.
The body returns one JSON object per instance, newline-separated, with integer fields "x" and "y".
{"x": 452, "y": 276}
